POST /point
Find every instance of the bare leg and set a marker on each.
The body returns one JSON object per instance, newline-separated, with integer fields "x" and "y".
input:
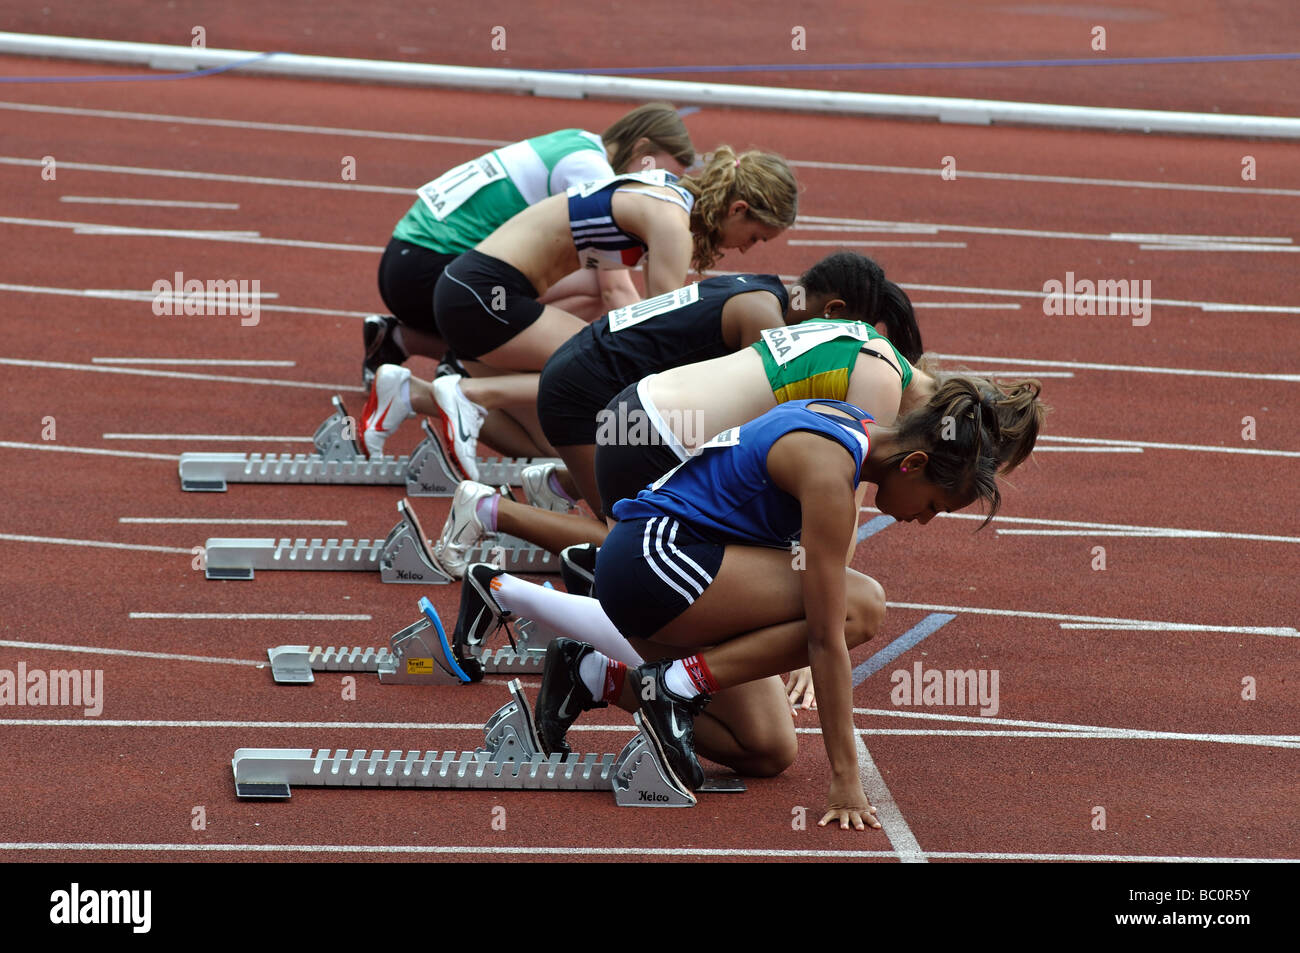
{"x": 580, "y": 470}
{"x": 551, "y": 531}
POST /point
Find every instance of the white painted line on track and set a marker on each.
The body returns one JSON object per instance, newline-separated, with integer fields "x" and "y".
{"x": 1252, "y": 242}
{"x": 1246, "y": 740}
{"x": 1209, "y": 246}
{"x": 232, "y": 438}
{"x": 1125, "y": 368}
{"x": 970, "y": 305}
{"x": 1035, "y": 372}
{"x": 98, "y": 451}
{"x": 208, "y": 521}
{"x": 855, "y": 243}
{"x": 1136, "y": 624}
{"x": 131, "y": 296}
{"x": 93, "y": 228}
{"x": 244, "y": 124}
{"x": 252, "y": 616}
{"x": 1156, "y": 534}
{"x": 934, "y": 171}
{"x": 620, "y": 851}
{"x": 887, "y": 812}
{"x": 1150, "y": 445}
{"x": 129, "y": 653}
{"x": 1056, "y": 726}
{"x": 191, "y": 362}
{"x": 147, "y": 203}
{"x": 178, "y": 375}
{"x": 95, "y": 543}
{"x": 213, "y": 176}
{"x": 1163, "y": 302}
{"x": 1087, "y": 449}
{"x": 1081, "y": 524}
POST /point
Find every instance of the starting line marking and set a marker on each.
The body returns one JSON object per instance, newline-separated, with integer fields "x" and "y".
{"x": 99, "y": 543}
{"x": 189, "y": 362}
{"x": 130, "y": 653}
{"x": 233, "y": 438}
{"x": 131, "y": 296}
{"x": 181, "y": 375}
{"x": 891, "y": 818}
{"x": 14, "y": 445}
{"x": 1124, "y": 368}
{"x": 160, "y": 203}
{"x": 249, "y": 616}
{"x": 222, "y": 521}
{"x": 620, "y": 851}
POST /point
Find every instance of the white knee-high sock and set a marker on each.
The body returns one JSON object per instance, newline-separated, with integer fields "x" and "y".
{"x": 575, "y": 616}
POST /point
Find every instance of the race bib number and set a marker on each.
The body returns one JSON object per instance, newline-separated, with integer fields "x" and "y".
{"x": 453, "y": 189}
{"x": 786, "y": 344}
{"x": 633, "y": 314}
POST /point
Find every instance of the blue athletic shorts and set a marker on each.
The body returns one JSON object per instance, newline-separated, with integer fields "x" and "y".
{"x": 649, "y": 571}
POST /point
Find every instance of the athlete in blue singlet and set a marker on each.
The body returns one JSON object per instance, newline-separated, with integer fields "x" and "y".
{"x": 698, "y": 563}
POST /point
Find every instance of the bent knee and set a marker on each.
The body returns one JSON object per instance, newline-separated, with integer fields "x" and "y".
{"x": 770, "y": 761}
{"x": 866, "y": 610}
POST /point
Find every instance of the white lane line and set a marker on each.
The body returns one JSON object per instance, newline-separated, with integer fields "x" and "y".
{"x": 859, "y": 243}
{"x": 1067, "y": 727}
{"x": 1150, "y": 445}
{"x": 1247, "y": 740}
{"x": 244, "y": 124}
{"x": 887, "y": 812}
{"x": 1087, "y": 449}
{"x": 1283, "y": 631}
{"x": 252, "y": 616}
{"x": 545, "y": 851}
{"x": 208, "y": 521}
{"x": 232, "y": 438}
{"x": 129, "y": 653}
{"x": 97, "y": 451}
{"x": 178, "y": 375}
{"x": 190, "y": 362}
{"x": 1081, "y": 524}
{"x": 1125, "y": 368}
{"x": 93, "y": 228}
{"x": 1026, "y": 373}
{"x": 1164, "y": 302}
{"x": 1047, "y": 179}
{"x": 212, "y": 176}
{"x": 493, "y": 143}
{"x": 1253, "y": 242}
{"x": 96, "y": 543}
{"x": 100, "y": 293}
{"x": 131, "y": 230}
{"x": 132, "y": 294}
{"x": 148, "y": 203}
{"x": 1156, "y": 534}
{"x": 1207, "y": 246}
{"x": 970, "y": 305}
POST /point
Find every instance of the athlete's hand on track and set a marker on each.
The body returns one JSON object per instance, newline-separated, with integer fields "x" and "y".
{"x": 848, "y": 804}
{"x": 799, "y": 687}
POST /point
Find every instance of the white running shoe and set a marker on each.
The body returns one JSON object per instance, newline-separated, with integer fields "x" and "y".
{"x": 385, "y": 409}
{"x": 461, "y": 421}
{"x": 463, "y": 528}
{"x": 537, "y": 488}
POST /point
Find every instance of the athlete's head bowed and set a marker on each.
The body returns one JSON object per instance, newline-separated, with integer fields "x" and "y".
{"x": 652, "y": 136}
{"x": 941, "y": 457}
{"x": 739, "y": 200}
{"x": 866, "y": 295}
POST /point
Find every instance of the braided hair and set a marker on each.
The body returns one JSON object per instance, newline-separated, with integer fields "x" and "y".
{"x": 869, "y": 296}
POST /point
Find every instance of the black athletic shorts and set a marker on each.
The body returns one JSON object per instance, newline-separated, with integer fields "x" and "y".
{"x": 630, "y": 455}
{"x": 650, "y": 571}
{"x": 407, "y": 275}
{"x": 481, "y": 303}
{"x": 570, "y": 396}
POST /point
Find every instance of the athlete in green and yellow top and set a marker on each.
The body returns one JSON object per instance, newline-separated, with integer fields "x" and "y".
{"x": 465, "y": 205}
{"x": 817, "y": 358}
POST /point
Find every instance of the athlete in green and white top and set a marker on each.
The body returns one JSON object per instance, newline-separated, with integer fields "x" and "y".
{"x": 465, "y": 205}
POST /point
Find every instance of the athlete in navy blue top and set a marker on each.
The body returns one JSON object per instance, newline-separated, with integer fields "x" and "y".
{"x": 698, "y": 563}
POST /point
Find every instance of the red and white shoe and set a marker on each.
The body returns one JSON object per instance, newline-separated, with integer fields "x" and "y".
{"x": 386, "y": 409}
{"x": 461, "y": 421}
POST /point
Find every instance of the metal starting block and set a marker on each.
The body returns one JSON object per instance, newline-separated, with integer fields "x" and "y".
{"x": 420, "y": 654}
{"x": 403, "y": 556}
{"x": 511, "y": 759}
{"x": 338, "y": 459}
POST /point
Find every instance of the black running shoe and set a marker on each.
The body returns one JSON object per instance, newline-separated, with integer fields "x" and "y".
{"x": 578, "y": 568}
{"x": 669, "y": 720}
{"x": 480, "y": 616}
{"x": 564, "y": 696}
{"x": 377, "y": 333}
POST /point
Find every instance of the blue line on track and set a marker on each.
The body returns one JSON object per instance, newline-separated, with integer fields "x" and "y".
{"x": 923, "y": 629}
{"x": 874, "y": 526}
{"x": 138, "y": 78}
{"x": 967, "y": 64}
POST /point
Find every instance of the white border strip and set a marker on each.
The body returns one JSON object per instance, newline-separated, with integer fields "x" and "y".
{"x": 577, "y": 86}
